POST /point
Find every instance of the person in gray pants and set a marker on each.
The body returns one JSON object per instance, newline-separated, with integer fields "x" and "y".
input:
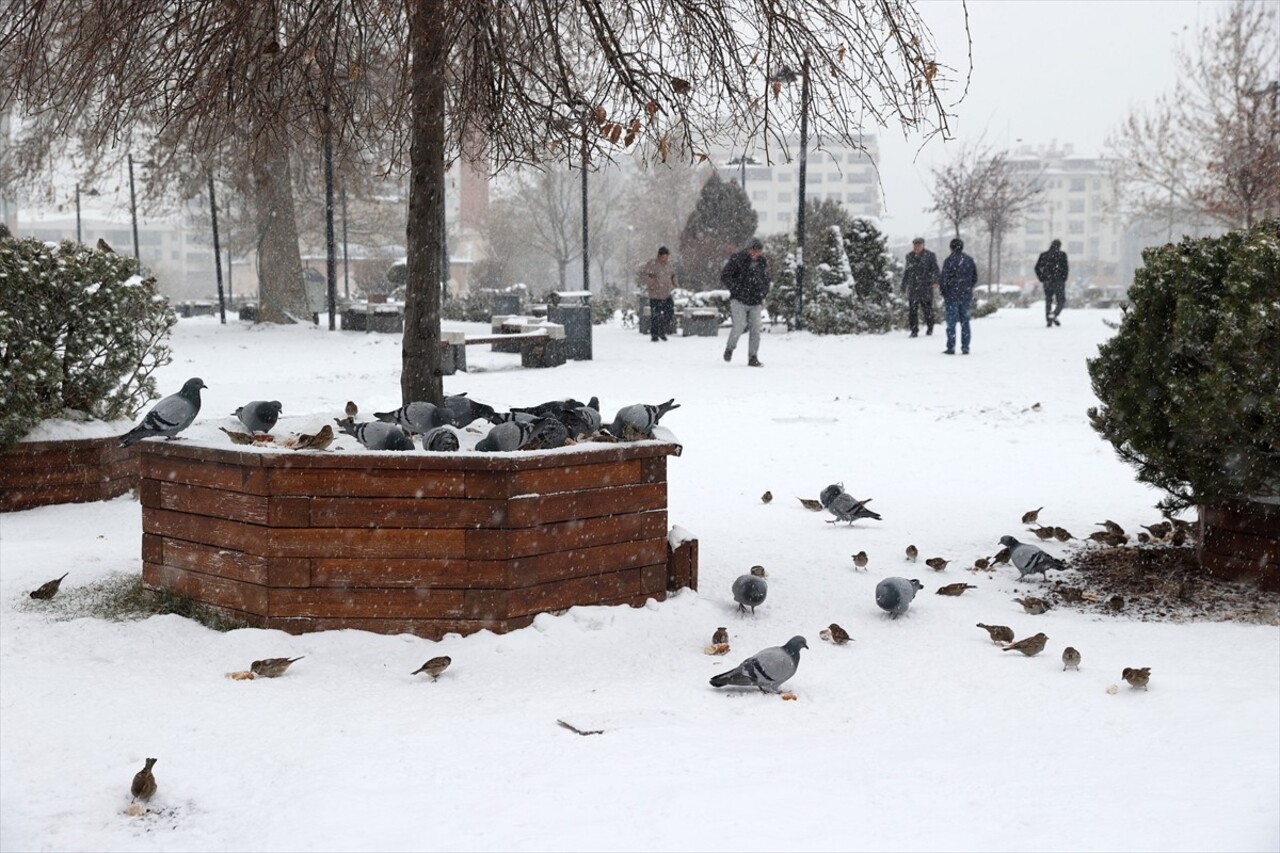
{"x": 746, "y": 276}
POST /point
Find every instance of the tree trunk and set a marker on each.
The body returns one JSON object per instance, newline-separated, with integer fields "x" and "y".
{"x": 282, "y": 297}
{"x": 420, "y": 378}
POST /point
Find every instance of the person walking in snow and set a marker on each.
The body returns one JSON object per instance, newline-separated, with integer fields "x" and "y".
{"x": 658, "y": 277}
{"x": 1051, "y": 269}
{"x": 746, "y": 275}
{"x": 959, "y": 275}
{"x": 919, "y": 275}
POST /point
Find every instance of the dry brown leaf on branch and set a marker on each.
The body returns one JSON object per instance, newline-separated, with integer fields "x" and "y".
{"x": 680, "y": 86}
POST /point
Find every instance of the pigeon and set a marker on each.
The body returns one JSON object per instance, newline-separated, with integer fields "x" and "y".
{"x": 48, "y": 589}
{"x": 441, "y": 439}
{"x": 508, "y": 436}
{"x": 759, "y": 572}
{"x": 721, "y": 635}
{"x": 551, "y": 408}
{"x": 912, "y": 553}
{"x": 844, "y": 506}
{"x": 749, "y": 591}
{"x": 766, "y": 497}
{"x": 511, "y": 417}
{"x": 548, "y": 433}
{"x": 170, "y": 416}
{"x": 272, "y": 667}
{"x": 938, "y": 564}
{"x": 636, "y": 422}
{"x": 998, "y": 633}
{"x": 1031, "y": 516}
{"x": 895, "y": 594}
{"x": 260, "y": 415}
{"x": 1034, "y": 606}
{"x": 416, "y": 417}
{"x": 434, "y": 667}
{"x": 377, "y": 435}
{"x": 955, "y": 588}
{"x": 1070, "y": 659}
{"x": 144, "y": 782}
{"x": 766, "y": 669}
{"x": 1030, "y": 560}
{"x": 582, "y": 421}
{"x": 1030, "y": 647}
{"x": 1137, "y": 677}
{"x": 839, "y": 635}
{"x": 860, "y": 559}
{"x": 463, "y": 410}
{"x": 811, "y": 504}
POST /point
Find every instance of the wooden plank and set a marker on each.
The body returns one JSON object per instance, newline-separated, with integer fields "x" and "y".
{"x": 531, "y": 510}
{"x": 207, "y": 589}
{"x": 407, "y": 512}
{"x": 26, "y": 498}
{"x": 218, "y": 503}
{"x": 430, "y": 629}
{"x": 653, "y": 579}
{"x": 455, "y": 574}
{"x": 288, "y": 572}
{"x": 1261, "y": 550}
{"x": 486, "y": 604}
{"x": 21, "y": 478}
{"x": 506, "y": 338}
{"x": 288, "y": 511}
{"x": 1223, "y": 566}
{"x": 364, "y": 543}
{"x": 573, "y": 478}
{"x": 563, "y": 594}
{"x": 210, "y": 560}
{"x": 682, "y": 566}
{"x": 484, "y": 544}
{"x": 579, "y": 562}
{"x": 205, "y": 472}
{"x": 207, "y": 530}
{"x": 368, "y": 482}
{"x": 152, "y": 548}
{"x": 1257, "y": 519}
{"x": 367, "y": 603}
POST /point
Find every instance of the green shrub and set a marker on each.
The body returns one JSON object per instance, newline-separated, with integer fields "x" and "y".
{"x": 80, "y": 330}
{"x": 1190, "y": 384}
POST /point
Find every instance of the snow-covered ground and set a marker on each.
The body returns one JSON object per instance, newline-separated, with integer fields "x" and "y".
{"x": 919, "y": 735}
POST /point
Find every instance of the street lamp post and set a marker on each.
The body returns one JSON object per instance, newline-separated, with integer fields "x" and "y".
{"x": 804, "y": 151}
{"x": 133, "y": 210}
{"x": 586, "y": 254}
{"x": 89, "y": 192}
{"x": 217, "y": 252}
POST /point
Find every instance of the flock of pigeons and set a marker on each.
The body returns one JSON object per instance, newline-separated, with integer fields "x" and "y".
{"x": 555, "y": 423}
{"x": 769, "y": 668}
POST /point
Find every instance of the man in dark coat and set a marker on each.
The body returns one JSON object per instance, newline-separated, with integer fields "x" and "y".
{"x": 1051, "y": 269}
{"x": 746, "y": 275}
{"x": 959, "y": 275}
{"x": 918, "y": 278}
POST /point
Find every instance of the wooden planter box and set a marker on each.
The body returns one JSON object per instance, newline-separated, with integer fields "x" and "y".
{"x": 408, "y": 542}
{"x": 1241, "y": 542}
{"x": 39, "y": 473}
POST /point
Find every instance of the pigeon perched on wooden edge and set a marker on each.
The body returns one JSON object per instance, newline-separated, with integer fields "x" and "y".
{"x": 377, "y": 435}
{"x": 548, "y": 433}
{"x": 766, "y": 669}
{"x": 170, "y": 416}
{"x": 463, "y": 410}
{"x": 259, "y": 415}
{"x": 844, "y": 506}
{"x": 894, "y": 595}
{"x": 441, "y": 439}
{"x": 508, "y": 436}
{"x": 417, "y": 417}
{"x": 1030, "y": 560}
{"x": 749, "y": 591}
{"x": 636, "y": 422}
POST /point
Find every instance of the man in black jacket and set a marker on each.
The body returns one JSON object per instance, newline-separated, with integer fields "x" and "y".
{"x": 746, "y": 275}
{"x": 919, "y": 275}
{"x": 1051, "y": 269}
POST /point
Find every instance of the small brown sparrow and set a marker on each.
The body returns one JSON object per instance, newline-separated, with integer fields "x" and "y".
{"x": 767, "y": 496}
{"x": 238, "y": 437}
{"x": 998, "y": 633}
{"x": 1061, "y": 534}
{"x": 860, "y": 559}
{"x": 1111, "y": 526}
{"x": 759, "y": 572}
{"x": 352, "y": 409}
{"x": 1030, "y": 647}
{"x": 1071, "y": 594}
{"x": 955, "y": 588}
{"x": 1042, "y": 532}
{"x": 1103, "y": 535}
{"x": 1034, "y": 606}
{"x": 1115, "y": 603}
{"x": 434, "y": 667}
{"x": 272, "y": 667}
{"x": 318, "y": 441}
{"x": 720, "y": 636}
{"x": 936, "y": 563}
{"x": 839, "y": 636}
{"x": 811, "y": 504}
{"x": 1070, "y": 659}
{"x": 144, "y": 782}
{"x": 982, "y": 563}
{"x": 1031, "y": 516}
{"x": 912, "y": 553}
{"x": 1115, "y": 540}
{"x": 1159, "y": 530}
{"x": 48, "y": 589}
{"x": 1144, "y": 537}
{"x": 1137, "y": 677}
{"x": 1001, "y": 558}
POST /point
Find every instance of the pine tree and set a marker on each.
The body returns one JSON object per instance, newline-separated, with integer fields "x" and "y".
{"x": 721, "y": 224}
{"x": 874, "y": 268}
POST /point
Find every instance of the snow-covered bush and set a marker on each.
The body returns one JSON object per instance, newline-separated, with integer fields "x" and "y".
{"x": 80, "y": 330}
{"x": 837, "y": 302}
{"x": 1188, "y": 385}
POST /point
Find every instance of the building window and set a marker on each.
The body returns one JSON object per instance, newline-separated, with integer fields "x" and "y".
{"x": 1035, "y": 226}
{"x": 813, "y": 178}
{"x": 1077, "y": 185}
{"x": 784, "y": 196}
{"x": 1075, "y": 226}
{"x": 1031, "y": 246}
{"x": 1075, "y": 205}
{"x": 1097, "y": 183}
{"x": 1076, "y": 247}
{"x": 760, "y": 195}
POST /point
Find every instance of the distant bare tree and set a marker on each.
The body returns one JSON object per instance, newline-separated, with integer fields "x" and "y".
{"x": 1209, "y": 153}
{"x": 958, "y": 186}
{"x": 1008, "y": 192}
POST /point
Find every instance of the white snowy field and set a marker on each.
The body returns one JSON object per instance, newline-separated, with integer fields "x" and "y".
{"x": 919, "y": 735}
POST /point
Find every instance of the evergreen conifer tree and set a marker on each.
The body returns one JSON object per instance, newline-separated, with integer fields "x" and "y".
{"x": 721, "y": 223}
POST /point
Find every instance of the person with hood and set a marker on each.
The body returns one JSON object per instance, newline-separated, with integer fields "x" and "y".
{"x": 919, "y": 275}
{"x": 1051, "y": 269}
{"x": 959, "y": 275}
{"x": 658, "y": 277}
{"x": 746, "y": 275}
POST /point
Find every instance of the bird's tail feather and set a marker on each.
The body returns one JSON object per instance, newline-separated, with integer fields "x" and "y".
{"x": 733, "y": 677}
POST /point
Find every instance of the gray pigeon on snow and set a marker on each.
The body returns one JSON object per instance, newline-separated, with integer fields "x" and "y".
{"x": 511, "y": 417}
{"x": 170, "y": 416}
{"x": 416, "y": 417}
{"x": 895, "y": 594}
{"x": 508, "y": 436}
{"x": 583, "y": 421}
{"x": 844, "y": 506}
{"x": 260, "y": 415}
{"x": 549, "y": 432}
{"x": 637, "y": 421}
{"x": 442, "y": 439}
{"x": 749, "y": 591}
{"x": 376, "y": 435}
{"x": 463, "y": 410}
{"x": 766, "y": 669}
{"x": 1029, "y": 559}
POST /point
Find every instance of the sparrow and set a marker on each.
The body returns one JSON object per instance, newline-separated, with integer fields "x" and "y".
{"x": 144, "y": 782}
{"x": 48, "y": 589}
{"x": 1159, "y": 530}
{"x": 1115, "y": 540}
{"x": 237, "y": 437}
{"x": 351, "y": 410}
{"x": 1111, "y": 526}
{"x": 1070, "y": 658}
{"x": 839, "y": 636}
{"x": 104, "y": 246}
{"x": 1034, "y": 606}
{"x": 998, "y": 633}
{"x": 272, "y": 667}
{"x": 1042, "y": 532}
{"x": 767, "y": 496}
{"x": 759, "y": 572}
{"x": 720, "y": 636}
{"x": 1104, "y": 535}
{"x": 436, "y": 666}
{"x": 1001, "y": 558}
{"x": 955, "y": 588}
{"x": 936, "y": 563}
{"x": 1143, "y": 537}
{"x": 1137, "y": 677}
{"x": 1177, "y": 537}
{"x": 318, "y": 441}
{"x": 912, "y": 553}
{"x": 1030, "y": 647}
{"x": 811, "y": 504}
{"x": 1115, "y": 603}
{"x": 1030, "y": 516}
{"x": 1061, "y": 534}
{"x": 1071, "y": 594}
{"x": 982, "y": 563}
{"x": 860, "y": 559}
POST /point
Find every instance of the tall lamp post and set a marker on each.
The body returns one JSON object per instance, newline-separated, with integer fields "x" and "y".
{"x": 786, "y": 75}
{"x": 91, "y": 192}
{"x": 133, "y": 211}
{"x": 586, "y": 255}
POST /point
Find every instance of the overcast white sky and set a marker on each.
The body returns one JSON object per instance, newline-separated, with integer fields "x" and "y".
{"x": 1043, "y": 70}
